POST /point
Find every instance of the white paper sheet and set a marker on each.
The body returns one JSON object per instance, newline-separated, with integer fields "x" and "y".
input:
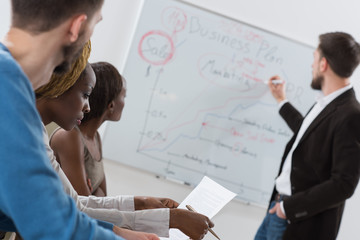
{"x": 208, "y": 198}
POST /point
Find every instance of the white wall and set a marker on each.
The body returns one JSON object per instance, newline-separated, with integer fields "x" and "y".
{"x": 301, "y": 20}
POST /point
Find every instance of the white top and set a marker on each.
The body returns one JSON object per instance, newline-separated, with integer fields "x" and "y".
{"x": 283, "y": 184}
{"x": 119, "y": 210}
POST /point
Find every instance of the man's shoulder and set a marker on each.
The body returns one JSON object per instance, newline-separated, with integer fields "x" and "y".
{"x": 13, "y": 79}
{"x": 9, "y": 68}
{"x": 346, "y": 102}
{"x": 7, "y": 62}
{"x": 351, "y": 101}
{"x": 347, "y": 110}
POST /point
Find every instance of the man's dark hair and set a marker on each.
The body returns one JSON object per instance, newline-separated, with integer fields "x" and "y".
{"x": 39, "y": 16}
{"x": 108, "y": 86}
{"x": 341, "y": 51}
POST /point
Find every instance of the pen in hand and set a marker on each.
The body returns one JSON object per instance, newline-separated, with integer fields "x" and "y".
{"x": 210, "y": 230}
{"x": 275, "y": 81}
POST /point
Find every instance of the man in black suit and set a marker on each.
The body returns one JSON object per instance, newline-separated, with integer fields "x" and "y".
{"x": 320, "y": 167}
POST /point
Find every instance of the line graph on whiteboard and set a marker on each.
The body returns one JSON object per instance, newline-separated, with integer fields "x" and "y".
{"x": 198, "y": 103}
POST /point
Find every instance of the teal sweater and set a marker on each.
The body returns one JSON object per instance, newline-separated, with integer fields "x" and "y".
{"x": 32, "y": 200}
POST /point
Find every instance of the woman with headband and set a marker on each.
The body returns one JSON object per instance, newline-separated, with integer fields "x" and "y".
{"x": 64, "y": 100}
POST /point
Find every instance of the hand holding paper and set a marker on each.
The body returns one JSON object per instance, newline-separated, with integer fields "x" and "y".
{"x": 208, "y": 198}
{"x": 210, "y": 230}
{"x": 194, "y": 225}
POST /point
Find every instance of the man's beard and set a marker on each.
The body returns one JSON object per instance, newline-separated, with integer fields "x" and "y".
{"x": 317, "y": 82}
{"x": 70, "y": 53}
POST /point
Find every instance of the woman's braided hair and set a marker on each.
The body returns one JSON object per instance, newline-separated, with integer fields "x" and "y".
{"x": 60, "y": 83}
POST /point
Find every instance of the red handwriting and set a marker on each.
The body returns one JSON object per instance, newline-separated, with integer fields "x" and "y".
{"x": 174, "y": 19}
{"x": 156, "y": 47}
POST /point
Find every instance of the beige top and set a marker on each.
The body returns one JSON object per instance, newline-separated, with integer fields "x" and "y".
{"x": 94, "y": 168}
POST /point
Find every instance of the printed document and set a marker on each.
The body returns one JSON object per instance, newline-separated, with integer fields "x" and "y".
{"x": 208, "y": 198}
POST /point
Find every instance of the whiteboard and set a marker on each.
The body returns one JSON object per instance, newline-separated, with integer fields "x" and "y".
{"x": 196, "y": 100}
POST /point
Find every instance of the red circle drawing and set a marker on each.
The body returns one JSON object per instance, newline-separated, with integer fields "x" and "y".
{"x": 154, "y": 56}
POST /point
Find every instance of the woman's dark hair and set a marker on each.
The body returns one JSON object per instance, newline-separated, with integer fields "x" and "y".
{"x": 43, "y": 15}
{"x": 341, "y": 51}
{"x": 108, "y": 86}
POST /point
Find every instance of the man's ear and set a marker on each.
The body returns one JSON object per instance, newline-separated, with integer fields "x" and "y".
{"x": 75, "y": 27}
{"x": 323, "y": 64}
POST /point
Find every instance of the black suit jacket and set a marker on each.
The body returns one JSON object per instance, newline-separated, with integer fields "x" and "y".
{"x": 325, "y": 168}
